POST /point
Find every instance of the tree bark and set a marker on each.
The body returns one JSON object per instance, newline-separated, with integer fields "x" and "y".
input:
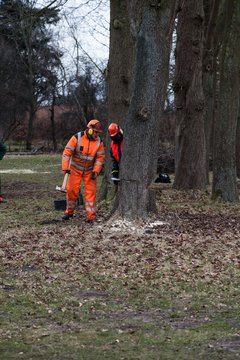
{"x": 238, "y": 142}
{"x": 52, "y": 119}
{"x": 190, "y": 159}
{"x": 119, "y": 75}
{"x": 119, "y": 72}
{"x": 151, "y": 29}
{"x": 30, "y": 126}
{"x": 209, "y": 67}
{"x": 224, "y": 159}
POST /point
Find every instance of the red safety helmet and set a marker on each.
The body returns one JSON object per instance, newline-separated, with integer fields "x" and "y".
{"x": 113, "y": 129}
{"x": 95, "y": 125}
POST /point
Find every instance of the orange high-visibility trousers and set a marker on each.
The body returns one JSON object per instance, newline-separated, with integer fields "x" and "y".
{"x": 90, "y": 187}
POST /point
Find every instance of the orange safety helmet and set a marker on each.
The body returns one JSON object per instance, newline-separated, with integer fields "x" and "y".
{"x": 113, "y": 129}
{"x": 95, "y": 125}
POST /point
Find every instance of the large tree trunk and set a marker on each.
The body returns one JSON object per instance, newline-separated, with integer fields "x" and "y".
{"x": 238, "y": 143}
{"x": 151, "y": 27}
{"x": 209, "y": 66}
{"x": 190, "y": 159}
{"x": 119, "y": 74}
{"x": 224, "y": 160}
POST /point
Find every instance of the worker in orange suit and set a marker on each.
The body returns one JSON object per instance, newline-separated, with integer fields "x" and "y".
{"x": 83, "y": 158}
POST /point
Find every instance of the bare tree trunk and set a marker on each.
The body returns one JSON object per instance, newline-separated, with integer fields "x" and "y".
{"x": 224, "y": 160}
{"x": 30, "y": 126}
{"x": 52, "y": 119}
{"x": 209, "y": 66}
{"x": 238, "y": 143}
{"x": 32, "y": 99}
{"x": 119, "y": 74}
{"x": 190, "y": 159}
{"x": 151, "y": 28}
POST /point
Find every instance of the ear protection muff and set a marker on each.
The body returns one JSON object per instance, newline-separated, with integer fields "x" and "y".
{"x": 121, "y": 131}
{"x": 90, "y": 132}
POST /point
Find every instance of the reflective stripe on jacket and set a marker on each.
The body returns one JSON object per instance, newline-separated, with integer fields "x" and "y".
{"x": 86, "y": 154}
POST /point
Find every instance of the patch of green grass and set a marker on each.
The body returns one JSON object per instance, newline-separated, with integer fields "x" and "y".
{"x": 31, "y": 162}
{"x": 58, "y": 321}
{"x": 71, "y": 291}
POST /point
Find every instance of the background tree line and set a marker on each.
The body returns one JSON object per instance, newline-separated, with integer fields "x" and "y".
{"x": 200, "y": 88}
{"x": 33, "y": 76}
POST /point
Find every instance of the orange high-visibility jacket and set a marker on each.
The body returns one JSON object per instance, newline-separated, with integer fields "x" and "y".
{"x": 86, "y": 154}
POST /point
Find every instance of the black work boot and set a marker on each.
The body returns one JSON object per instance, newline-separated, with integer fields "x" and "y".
{"x": 67, "y": 216}
{"x": 91, "y": 221}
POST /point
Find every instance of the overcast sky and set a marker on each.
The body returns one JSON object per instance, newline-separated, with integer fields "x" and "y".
{"x": 88, "y": 20}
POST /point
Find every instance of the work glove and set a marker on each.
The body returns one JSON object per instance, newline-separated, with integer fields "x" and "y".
{"x": 115, "y": 182}
{"x": 94, "y": 175}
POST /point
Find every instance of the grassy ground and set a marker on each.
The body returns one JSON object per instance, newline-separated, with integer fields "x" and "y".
{"x": 166, "y": 289}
